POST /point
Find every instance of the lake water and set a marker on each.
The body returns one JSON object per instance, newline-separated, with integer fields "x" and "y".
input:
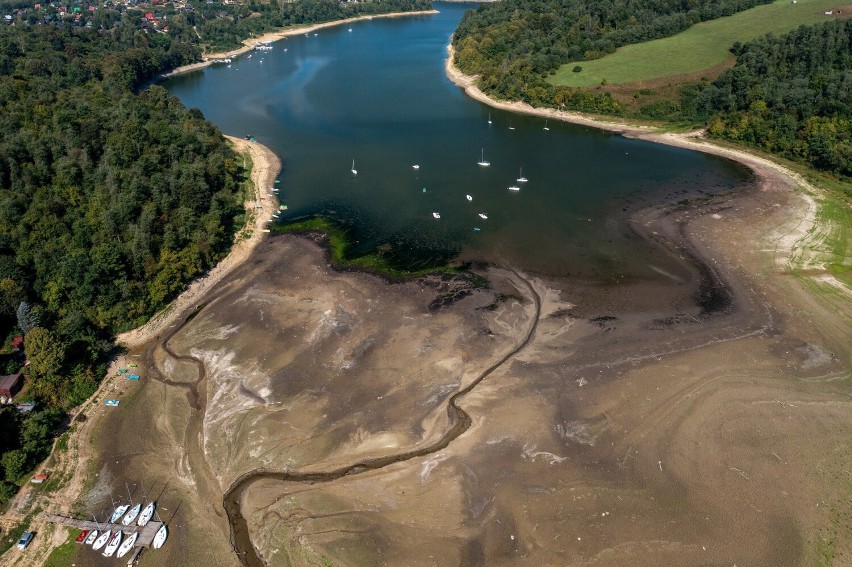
{"x": 378, "y": 95}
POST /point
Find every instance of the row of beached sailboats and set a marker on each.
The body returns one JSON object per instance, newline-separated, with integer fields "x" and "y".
{"x": 116, "y": 542}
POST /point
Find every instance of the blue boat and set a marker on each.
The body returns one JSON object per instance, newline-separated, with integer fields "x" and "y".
{"x": 132, "y": 377}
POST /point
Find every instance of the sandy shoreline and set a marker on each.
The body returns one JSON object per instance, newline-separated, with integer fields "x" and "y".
{"x": 251, "y": 43}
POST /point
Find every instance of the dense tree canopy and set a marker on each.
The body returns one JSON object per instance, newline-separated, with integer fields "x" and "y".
{"x": 791, "y": 95}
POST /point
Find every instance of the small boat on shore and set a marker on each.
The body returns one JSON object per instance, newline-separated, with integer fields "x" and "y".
{"x": 93, "y": 535}
{"x": 127, "y": 545}
{"x": 119, "y": 512}
{"x": 146, "y": 514}
{"x": 113, "y": 544}
{"x": 160, "y": 538}
{"x": 132, "y": 515}
{"x": 482, "y": 161}
{"x": 101, "y": 541}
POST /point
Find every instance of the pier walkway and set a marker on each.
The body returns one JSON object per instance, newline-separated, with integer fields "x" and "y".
{"x": 146, "y": 533}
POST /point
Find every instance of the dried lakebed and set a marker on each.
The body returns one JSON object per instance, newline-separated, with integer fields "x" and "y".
{"x": 614, "y": 424}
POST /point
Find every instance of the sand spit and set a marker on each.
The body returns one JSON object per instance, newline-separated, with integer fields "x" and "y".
{"x": 250, "y": 44}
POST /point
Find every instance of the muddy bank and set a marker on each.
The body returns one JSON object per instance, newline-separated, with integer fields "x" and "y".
{"x": 324, "y": 421}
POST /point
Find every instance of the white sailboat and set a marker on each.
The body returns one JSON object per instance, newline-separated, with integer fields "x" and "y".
{"x": 146, "y": 514}
{"x": 90, "y": 539}
{"x": 545, "y": 125}
{"x": 436, "y": 215}
{"x": 160, "y": 538}
{"x": 514, "y": 188}
{"x": 119, "y": 512}
{"x": 415, "y": 166}
{"x": 113, "y": 544}
{"x": 354, "y": 171}
{"x": 482, "y": 161}
{"x": 468, "y": 197}
{"x": 132, "y": 515}
{"x": 127, "y": 545}
{"x": 511, "y": 127}
{"x": 521, "y": 178}
{"x": 483, "y": 216}
{"x": 489, "y": 118}
{"x": 101, "y": 541}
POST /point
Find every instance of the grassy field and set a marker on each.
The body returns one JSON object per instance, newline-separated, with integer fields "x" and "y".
{"x": 700, "y": 47}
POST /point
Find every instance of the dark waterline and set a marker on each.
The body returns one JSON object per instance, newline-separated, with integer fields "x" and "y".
{"x": 378, "y": 94}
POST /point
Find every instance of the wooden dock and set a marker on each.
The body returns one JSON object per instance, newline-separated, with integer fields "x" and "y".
{"x": 146, "y": 533}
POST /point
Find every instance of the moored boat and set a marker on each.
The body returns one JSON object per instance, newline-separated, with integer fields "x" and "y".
{"x": 93, "y": 535}
{"x": 513, "y": 188}
{"x": 81, "y": 537}
{"x": 482, "y": 161}
{"x": 436, "y": 215}
{"x": 113, "y": 544}
{"x": 132, "y": 515}
{"x": 119, "y": 512}
{"x": 127, "y": 545}
{"x": 160, "y": 538}
{"x": 146, "y": 514}
{"x": 101, "y": 541}
{"x": 483, "y": 216}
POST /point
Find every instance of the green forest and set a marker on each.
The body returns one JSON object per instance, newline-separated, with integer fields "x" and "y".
{"x": 790, "y": 94}
{"x": 113, "y": 195}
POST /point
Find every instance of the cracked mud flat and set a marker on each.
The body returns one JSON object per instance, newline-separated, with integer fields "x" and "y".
{"x": 698, "y": 422}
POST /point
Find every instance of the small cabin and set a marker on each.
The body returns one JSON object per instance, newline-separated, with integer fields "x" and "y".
{"x": 10, "y": 385}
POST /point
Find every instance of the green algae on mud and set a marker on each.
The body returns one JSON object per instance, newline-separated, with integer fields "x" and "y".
{"x": 394, "y": 267}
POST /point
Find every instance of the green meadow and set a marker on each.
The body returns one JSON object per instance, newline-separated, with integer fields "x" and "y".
{"x": 702, "y": 46}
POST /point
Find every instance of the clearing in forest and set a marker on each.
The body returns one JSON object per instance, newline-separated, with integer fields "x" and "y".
{"x": 700, "y": 47}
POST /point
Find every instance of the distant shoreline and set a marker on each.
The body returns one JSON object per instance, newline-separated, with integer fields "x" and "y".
{"x": 251, "y": 43}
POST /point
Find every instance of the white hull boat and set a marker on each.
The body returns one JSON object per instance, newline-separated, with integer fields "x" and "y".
{"x": 482, "y": 161}
{"x": 101, "y": 541}
{"x": 436, "y": 215}
{"x": 354, "y": 171}
{"x": 146, "y": 514}
{"x": 468, "y": 197}
{"x": 113, "y": 544}
{"x": 483, "y": 216}
{"x": 160, "y": 538}
{"x": 119, "y": 512}
{"x": 521, "y": 178}
{"x": 127, "y": 545}
{"x": 132, "y": 515}
{"x": 91, "y": 538}
{"x": 513, "y": 188}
